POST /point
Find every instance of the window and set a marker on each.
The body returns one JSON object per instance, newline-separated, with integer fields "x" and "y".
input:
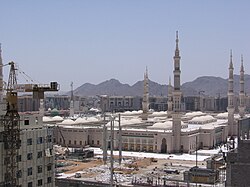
{"x": 39, "y": 140}
{"x": 98, "y": 142}
{"x": 26, "y": 122}
{"x": 6, "y": 160}
{"x": 29, "y": 156}
{"x": 49, "y": 167}
{"x": 29, "y": 141}
{"x": 19, "y": 158}
{"x": 80, "y": 142}
{"x": 93, "y": 142}
{"x": 19, "y": 174}
{"x": 29, "y": 171}
{"x": 39, "y": 169}
{"x": 75, "y": 142}
{"x": 40, "y": 182}
{"x": 49, "y": 138}
{"x": 30, "y": 184}
{"x": 39, "y": 154}
{"x": 49, "y": 179}
{"x": 69, "y": 142}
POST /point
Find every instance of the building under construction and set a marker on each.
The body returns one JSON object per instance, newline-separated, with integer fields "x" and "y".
{"x": 26, "y": 149}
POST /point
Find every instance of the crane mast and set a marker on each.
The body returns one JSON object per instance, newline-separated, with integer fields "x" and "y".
{"x": 11, "y": 133}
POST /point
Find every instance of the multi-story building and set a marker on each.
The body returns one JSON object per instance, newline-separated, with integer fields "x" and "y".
{"x": 35, "y": 156}
{"x": 238, "y": 159}
{"x": 27, "y": 160}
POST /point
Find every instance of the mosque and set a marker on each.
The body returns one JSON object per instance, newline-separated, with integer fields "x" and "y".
{"x": 171, "y": 131}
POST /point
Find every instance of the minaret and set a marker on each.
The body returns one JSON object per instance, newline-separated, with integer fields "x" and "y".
{"x": 230, "y": 96}
{"x": 177, "y": 100}
{"x": 1, "y": 74}
{"x": 72, "y": 109}
{"x": 242, "y": 90}
{"x": 170, "y": 99}
{"x": 145, "y": 100}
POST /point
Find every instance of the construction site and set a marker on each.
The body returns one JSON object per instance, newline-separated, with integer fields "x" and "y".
{"x": 136, "y": 169}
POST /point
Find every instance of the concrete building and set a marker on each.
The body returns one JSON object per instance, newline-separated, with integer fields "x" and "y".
{"x": 238, "y": 160}
{"x": 34, "y": 156}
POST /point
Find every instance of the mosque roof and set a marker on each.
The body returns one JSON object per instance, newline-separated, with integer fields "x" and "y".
{"x": 128, "y": 113}
{"x": 161, "y": 113}
{"x": 202, "y": 119}
{"x": 223, "y": 115}
{"x": 193, "y": 114}
{"x": 164, "y": 125}
{"x": 67, "y": 122}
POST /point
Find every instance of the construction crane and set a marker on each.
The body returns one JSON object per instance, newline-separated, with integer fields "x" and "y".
{"x": 11, "y": 133}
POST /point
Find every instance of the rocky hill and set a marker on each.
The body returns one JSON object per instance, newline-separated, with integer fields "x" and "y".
{"x": 210, "y": 85}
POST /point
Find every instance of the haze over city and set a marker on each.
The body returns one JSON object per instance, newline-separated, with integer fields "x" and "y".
{"x": 93, "y": 41}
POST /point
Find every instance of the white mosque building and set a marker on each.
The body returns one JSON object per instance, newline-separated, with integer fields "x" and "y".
{"x": 172, "y": 131}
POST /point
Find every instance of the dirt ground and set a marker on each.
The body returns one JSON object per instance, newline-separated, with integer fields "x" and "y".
{"x": 79, "y": 166}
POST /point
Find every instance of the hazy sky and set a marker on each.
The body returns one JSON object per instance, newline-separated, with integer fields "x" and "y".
{"x": 96, "y": 40}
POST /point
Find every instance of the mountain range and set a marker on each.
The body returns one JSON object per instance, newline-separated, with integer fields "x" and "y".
{"x": 209, "y": 85}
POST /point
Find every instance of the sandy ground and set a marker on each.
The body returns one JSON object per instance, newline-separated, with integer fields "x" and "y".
{"x": 79, "y": 166}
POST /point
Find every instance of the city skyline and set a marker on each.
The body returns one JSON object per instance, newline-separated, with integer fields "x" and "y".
{"x": 94, "y": 41}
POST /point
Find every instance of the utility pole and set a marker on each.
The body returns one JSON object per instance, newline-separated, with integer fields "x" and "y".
{"x": 111, "y": 151}
{"x": 120, "y": 140}
{"x": 104, "y": 145}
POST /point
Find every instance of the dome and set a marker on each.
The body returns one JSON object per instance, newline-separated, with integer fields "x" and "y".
{"x": 167, "y": 125}
{"x": 57, "y": 118}
{"x": 193, "y": 114}
{"x": 80, "y": 120}
{"x": 202, "y": 119}
{"x": 92, "y": 119}
{"x": 47, "y": 119}
{"x": 223, "y": 115}
{"x": 67, "y": 122}
{"x": 161, "y": 113}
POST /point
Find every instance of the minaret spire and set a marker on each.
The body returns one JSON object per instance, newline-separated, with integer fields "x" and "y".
{"x": 231, "y": 59}
{"x": 230, "y": 94}
{"x": 242, "y": 66}
{"x": 145, "y": 100}
{"x": 72, "y": 108}
{"x": 1, "y": 74}
{"x": 242, "y": 90}
{"x": 176, "y": 128}
{"x": 177, "y": 45}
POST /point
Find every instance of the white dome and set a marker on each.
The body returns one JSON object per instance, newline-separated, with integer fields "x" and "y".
{"x": 202, "y": 119}
{"x": 57, "y": 118}
{"x": 223, "y": 115}
{"x": 127, "y": 113}
{"x": 80, "y": 120}
{"x": 193, "y": 114}
{"x": 47, "y": 119}
{"x": 165, "y": 125}
{"x": 68, "y": 122}
{"x": 161, "y": 113}
{"x": 92, "y": 119}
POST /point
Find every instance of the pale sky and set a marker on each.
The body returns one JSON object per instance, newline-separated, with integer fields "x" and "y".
{"x": 96, "y": 40}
